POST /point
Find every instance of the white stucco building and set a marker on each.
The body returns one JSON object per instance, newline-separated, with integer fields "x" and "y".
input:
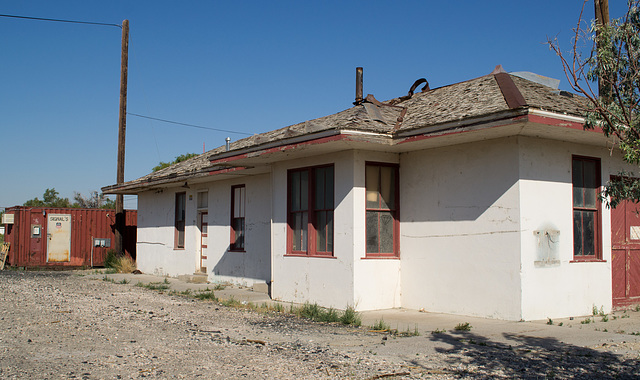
{"x": 478, "y": 198}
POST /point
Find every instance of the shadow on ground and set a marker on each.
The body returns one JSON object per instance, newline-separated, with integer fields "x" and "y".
{"x": 528, "y": 357}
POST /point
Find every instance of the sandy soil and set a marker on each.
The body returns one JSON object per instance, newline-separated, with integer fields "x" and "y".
{"x": 65, "y": 325}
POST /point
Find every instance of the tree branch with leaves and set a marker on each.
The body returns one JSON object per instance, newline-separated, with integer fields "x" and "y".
{"x": 614, "y": 60}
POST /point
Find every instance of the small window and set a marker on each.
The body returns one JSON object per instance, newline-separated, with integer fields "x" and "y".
{"x": 203, "y": 199}
{"x": 237, "y": 217}
{"x": 180, "y": 219}
{"x": 310, "y": 211}
{"x": 586, "y": 208}
{"x": 382, "y": 222}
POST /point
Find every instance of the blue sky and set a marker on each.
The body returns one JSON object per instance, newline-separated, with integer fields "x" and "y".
{"x": 244, "y": 66}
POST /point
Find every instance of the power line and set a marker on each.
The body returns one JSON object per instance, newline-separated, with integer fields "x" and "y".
{"x": 59, "y": 20}
{"x": 189, "y": 125}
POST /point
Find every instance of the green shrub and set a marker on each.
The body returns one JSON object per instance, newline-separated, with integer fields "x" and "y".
{"x": 463, "y": 327}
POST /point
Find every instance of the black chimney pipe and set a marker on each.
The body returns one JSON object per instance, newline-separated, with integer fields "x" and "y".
{"x": 358, "y": 86}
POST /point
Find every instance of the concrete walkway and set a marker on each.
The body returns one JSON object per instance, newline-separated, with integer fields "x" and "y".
{"x": 600, "y": 331}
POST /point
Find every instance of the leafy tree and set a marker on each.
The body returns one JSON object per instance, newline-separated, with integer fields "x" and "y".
{"x": 180, "y": 158}
{"x": 95, "y": 200}
{"x": 614, "y": 61}
{"x": 50, "y": 198}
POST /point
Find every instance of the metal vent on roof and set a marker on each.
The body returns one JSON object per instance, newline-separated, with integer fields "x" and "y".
{"x": 540, "y": 79}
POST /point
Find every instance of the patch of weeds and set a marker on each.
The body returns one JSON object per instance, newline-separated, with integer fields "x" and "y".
{"x": 549, "y": 321}
{"x": 231, "y": 302}
{"x": 108, "y": 279}
{"x": 605, "y": 318}
{"x": 635, "y": 333}
{"x": 615, "y": 317}
{"x": 380, "y": 326}
{"x": 124, "y": 281}
{"x": 407, "y": 332}
{"x": 153, "y": 285}
{"x": 637, "y": 308}
{"x": 350, "y": 317}
{"x": 586, "y": 321}
{"x": 309, "y": 311}
{"x": 110, "y": 271}
{"x": 219, "y": 287}
{"x": 438, "y": 331}
{"x": 278, "y": 307}
{"x": 205, "y": 295}
{"x": 605, "y": 330}
{"x": 330, "y": 315}
{"x": 166, "y": 281}
{"x": 625, "y": 315}
{"x": 463, "y": 327}
{"x": 560, "y": 324}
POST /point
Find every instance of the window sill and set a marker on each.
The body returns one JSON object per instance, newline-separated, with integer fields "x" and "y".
{"x": 303, "y": 255}
{"x": 381, "y": 257}
{"x": 588, "y": 260}
{"x": 179, "y": 249}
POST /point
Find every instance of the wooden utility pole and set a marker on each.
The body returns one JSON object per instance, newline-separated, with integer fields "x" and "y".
{"x": 602, "y": 19}
{"x": 122, "y": 131}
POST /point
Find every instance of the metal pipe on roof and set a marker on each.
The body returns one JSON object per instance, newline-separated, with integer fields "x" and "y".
{"x": 358, "y": 86}
{"x": 227, "y": 143}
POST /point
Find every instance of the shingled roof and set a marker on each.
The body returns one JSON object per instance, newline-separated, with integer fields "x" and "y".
{"x": 465, "y": 101}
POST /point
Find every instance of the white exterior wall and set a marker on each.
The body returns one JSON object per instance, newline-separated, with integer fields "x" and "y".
{"x": 460, "y": 230}
{"x": 155, "y": 252}
{"x": 156, "y": 231}
{"x": 254, "y": 264}
{"x": 559, "y": 287}
{"x": 323, "y": 280}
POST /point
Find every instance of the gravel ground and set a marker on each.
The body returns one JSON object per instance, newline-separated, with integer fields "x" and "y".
{"x": 64, "y": 325}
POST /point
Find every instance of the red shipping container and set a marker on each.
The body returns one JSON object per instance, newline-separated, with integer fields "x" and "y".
{"x": 70, "y": 237}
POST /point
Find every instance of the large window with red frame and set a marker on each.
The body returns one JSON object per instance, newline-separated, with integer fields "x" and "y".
{"x": 382, "y": 209}
{"x": 586, "y": 208}
{"x": 180, "y": 218}
{"x": 310, "y": 211}
{"x": 237, "y": 217}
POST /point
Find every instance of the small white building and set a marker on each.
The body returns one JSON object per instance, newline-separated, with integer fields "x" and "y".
{"x": 479, "y": 198}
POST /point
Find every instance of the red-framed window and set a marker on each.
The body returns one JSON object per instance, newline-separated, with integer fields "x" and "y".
{"x": 382, "y": 209}
{"x": 180, "y": 217}
{"x": 587, "y": 227}
{"x": 238, "y": 200}
{"x": 310, "y": 211}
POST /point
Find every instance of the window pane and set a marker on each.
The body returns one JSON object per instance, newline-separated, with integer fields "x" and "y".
{"x": 372, "y": 174}
{"x": 577, "y": 233}
{"x": 294, "y": 182}
{"x": 328, "y": 199}
{"x": 300, "y": 231}
{"x": 203, "y": 199}
{"x": 321, "y": 231}
{"x": 320, "y": 188}
{"x": 584, "y": 233}
{"x": 578, "y": 194}
{"x": 372, "y": 232}
{"x": 329, "y": 231}
{"x": 238, "y": 228}
{"x": 589, "y": 168}
{"x": 588, "y": 235}
{"x": 387, "y": 188}
{"x": 386, "y": 232}
{"x": 304, "y": 190}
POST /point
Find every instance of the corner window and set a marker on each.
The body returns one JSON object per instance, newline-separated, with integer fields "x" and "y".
{"x": 310, "y": 211}
{"x": 382, "y": 209}
{"x": 237, "y": 217}
{"x": 180, "y": 219}
{"x": 586, "y": 208}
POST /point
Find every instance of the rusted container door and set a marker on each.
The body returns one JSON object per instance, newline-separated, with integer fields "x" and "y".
{"x": 625, "y": 253}
{"x": 36, "y": 251}
{"x": 58, "y": 238}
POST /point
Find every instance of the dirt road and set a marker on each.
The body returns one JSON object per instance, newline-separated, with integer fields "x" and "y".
{"x": 65, "y": 325}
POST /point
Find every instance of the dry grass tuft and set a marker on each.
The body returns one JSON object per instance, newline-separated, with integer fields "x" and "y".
{"x": 124, "y": 264}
